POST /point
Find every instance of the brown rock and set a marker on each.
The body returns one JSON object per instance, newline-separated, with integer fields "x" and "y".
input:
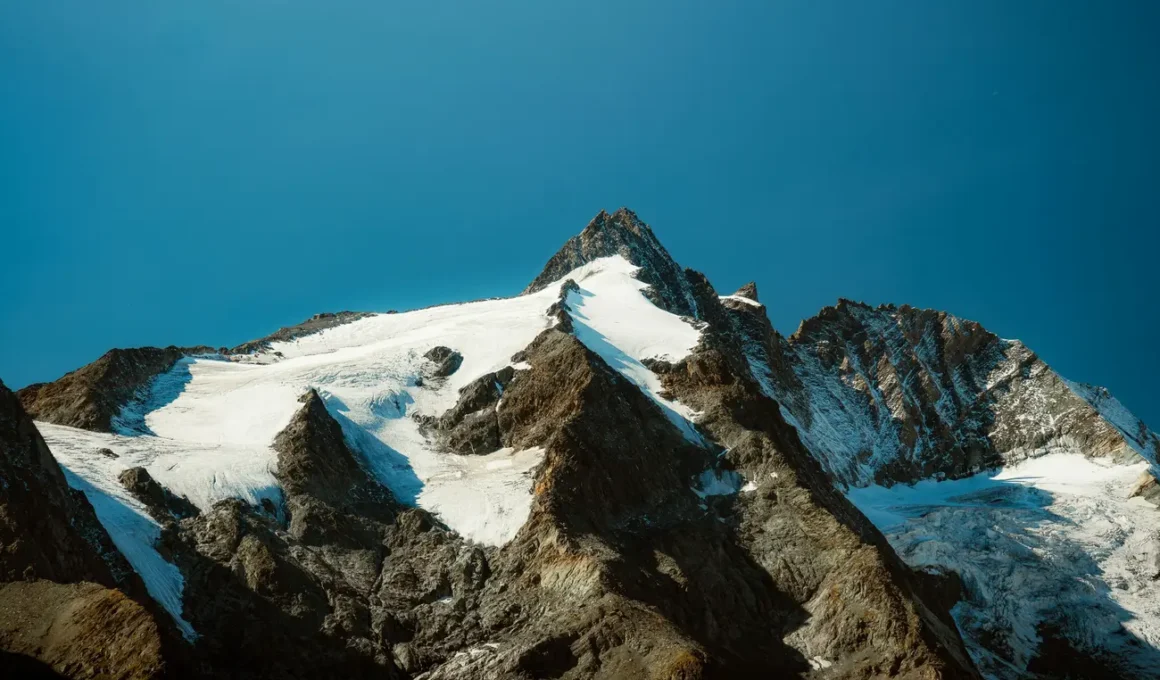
{"x": 91, "y": 396}
{"x": 80, "y": 630}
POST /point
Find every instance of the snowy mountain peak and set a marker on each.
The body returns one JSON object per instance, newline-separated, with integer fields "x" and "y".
{"x": 614, "y": 472}
{"x": 623, "y": 233}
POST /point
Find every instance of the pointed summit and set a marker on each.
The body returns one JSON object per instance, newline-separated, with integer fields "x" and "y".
{"x": 623, "y": 233}
{"x": 748, "y": 291}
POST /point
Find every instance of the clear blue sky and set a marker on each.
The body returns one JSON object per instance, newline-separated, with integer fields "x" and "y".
{"x": 204, "y": 172}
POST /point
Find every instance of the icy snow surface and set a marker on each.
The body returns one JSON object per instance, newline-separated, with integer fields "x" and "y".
{"x": 205, "y": 428}
{"x": 1052, "y": 539}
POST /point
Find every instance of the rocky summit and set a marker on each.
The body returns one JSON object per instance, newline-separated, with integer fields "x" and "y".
{"x": 618, "y": 473}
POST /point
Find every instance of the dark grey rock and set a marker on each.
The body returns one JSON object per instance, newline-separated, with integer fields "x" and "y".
{"x": 446, "y": 360}
{"x": 162, "y": 504}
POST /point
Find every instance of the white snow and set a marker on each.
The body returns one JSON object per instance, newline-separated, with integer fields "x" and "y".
{"x": 743, "y": 299}
{"x": 1051, "y": 538}
{"x": 1142, "y": 440}
{"x": 205, "y": 428}
{"x": 614, "y": 319}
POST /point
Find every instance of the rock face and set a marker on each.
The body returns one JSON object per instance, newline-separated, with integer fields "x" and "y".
{"x": 472, "y": 425}
{"x": 748, "y": 291}
{"x": 816, "y": 548}
{"x": 163, "y": 505}
{"x": 80, "y": 630}
{"x": 898, "y": 394}
{"x": 91, "y": 396}
{"x": 895, "y": 395}
{"x": 62, "y": 581}
{"x": 622, "y": 233}
{"x": 47, "y": 530}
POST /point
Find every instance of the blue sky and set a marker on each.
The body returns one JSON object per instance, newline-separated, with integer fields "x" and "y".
{"x": 204, "y": 172}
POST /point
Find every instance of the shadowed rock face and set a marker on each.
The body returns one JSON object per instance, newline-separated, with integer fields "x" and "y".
{"x": 622, "y": 233}
{"x": 48, "y": 530}
{"x": 64, "y": 604}
{"x": 444, "y": 360}
{"x": 472, "y": 425}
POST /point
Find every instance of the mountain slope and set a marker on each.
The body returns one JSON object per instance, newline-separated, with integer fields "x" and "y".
{"x": 616, "y": 474}
{"x": 63, "y": 584}
{"x": 1056, "y": 556}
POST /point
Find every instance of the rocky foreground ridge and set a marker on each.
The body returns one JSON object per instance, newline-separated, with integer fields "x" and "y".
{"x": 690, "y": 513}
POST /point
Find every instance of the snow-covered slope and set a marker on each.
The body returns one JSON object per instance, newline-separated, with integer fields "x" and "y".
{"x": 204, "y": 429}
{"x": 1052, "y": 545}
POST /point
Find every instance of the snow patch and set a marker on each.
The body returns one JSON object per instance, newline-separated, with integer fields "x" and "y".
{"x": 717, "y": 483}
{"x": 616, "y": 321}
{"x": 743, "y": 299}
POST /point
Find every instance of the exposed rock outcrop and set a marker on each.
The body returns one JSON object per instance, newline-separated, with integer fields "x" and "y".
{"x": 815, "y": 547}
{"x": 91, "y": 396}
{"x": 48, "y": 530}
{"x": 748, "y": 291}
{"x": 162, "y": 504}
{"x": 898, "y": 394}
{"x": 472, "y": 425}
{"x": 446, "y": 361}
{"x": 328, "y": 496}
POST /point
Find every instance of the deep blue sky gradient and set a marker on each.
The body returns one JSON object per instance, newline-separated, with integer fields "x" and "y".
{"x": 204, "y": 172}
